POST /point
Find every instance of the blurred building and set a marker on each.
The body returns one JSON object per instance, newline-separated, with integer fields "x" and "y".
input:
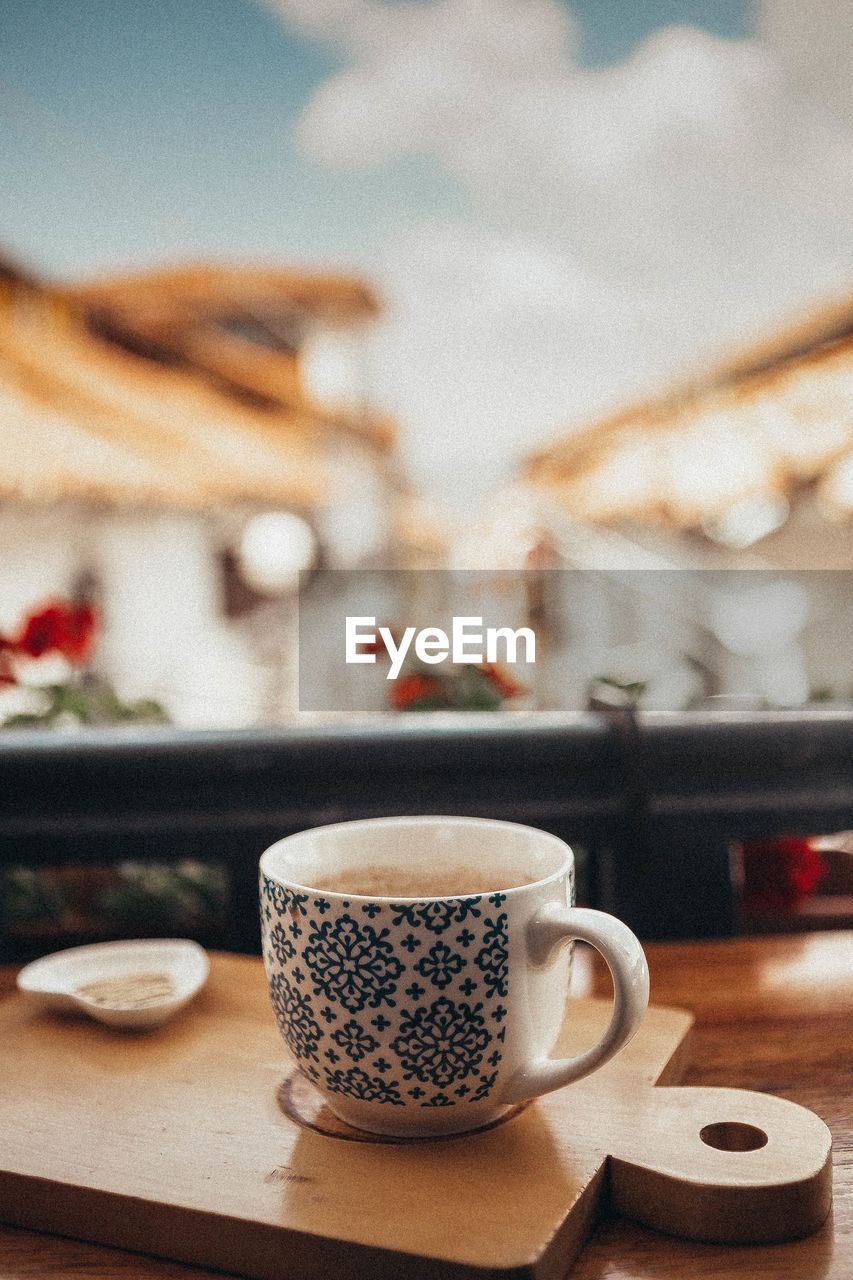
{"x": 757, "y": 454}
{"x": 179, "y": 444}
{"x": 746, "y": 467}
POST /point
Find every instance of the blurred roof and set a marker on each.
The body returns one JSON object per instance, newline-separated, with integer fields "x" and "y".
{"x": 240, "y": 328}
{"x": 83, "y": 416}
{"x": 178, "y": 296}
{"x": 772, "y": 421}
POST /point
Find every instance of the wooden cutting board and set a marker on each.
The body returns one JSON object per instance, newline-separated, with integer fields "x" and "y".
{"x": 178, "y": 1142}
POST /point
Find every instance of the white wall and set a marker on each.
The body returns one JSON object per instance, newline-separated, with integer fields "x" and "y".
{"x": 164, "y": 634}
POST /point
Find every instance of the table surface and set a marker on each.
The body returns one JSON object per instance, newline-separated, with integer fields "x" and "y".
{"x": 772, "y": 1013}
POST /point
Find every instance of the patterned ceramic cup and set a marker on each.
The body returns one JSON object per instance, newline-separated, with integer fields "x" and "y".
{"x": 418, "y": 973}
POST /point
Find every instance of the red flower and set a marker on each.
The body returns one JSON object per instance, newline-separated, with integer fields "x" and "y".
{"x": 412, "y": 689}
{"x": 779, "y": 872}
{"x": 79, "y": 639}
{"x": 506, "y": 686}
{"x": 59, "y": 627}
{"x": 377, "y": 645}
{"x": 41, "y": 632}
{"x": 7, "y": 671}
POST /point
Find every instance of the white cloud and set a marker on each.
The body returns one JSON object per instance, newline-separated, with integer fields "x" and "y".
{"x": 490, "y": 337}
{"x": 628, "y": 223}
{"x": 814, "y": 42}
{"x": 426, "y": 77}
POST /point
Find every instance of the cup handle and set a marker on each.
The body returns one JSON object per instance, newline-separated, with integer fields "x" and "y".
{"x": 552, "y": 926}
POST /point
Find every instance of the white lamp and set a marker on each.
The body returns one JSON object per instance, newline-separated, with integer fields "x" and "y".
{"x": 274, "y": 549}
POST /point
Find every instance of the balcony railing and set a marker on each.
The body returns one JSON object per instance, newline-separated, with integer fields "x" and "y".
{"x": 655, "y": 805}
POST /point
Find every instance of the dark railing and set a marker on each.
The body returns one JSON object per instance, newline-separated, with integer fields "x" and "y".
{"x": 655, "y": 805}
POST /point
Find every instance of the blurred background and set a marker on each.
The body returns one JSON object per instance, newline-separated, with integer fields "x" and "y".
{"x": 517, "y": 286}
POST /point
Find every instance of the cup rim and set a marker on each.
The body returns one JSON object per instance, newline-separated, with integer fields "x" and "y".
{"x": 566, "y": 864}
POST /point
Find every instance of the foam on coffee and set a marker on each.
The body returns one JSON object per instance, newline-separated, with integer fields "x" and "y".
{"x": 377, "y": 881}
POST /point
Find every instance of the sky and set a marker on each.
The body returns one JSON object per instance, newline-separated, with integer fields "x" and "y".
{"x": 563, "y": 206}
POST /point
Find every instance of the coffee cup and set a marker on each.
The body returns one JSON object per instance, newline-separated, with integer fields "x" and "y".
{"x": 419, "y": 968}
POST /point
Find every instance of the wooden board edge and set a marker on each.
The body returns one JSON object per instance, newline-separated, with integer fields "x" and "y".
{"x": 675, "y": 1068}
{"x": 234, "y": 1245}
{"x": 568, "y": 1241}
{"x": 770, "y": 1214}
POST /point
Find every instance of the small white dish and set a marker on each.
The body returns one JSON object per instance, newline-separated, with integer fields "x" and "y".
{"x": 137, "y": 983}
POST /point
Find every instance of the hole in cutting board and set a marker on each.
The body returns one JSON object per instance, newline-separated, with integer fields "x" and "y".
{"x": 301, "y": 1102}
{"x": 733, "y": 1135}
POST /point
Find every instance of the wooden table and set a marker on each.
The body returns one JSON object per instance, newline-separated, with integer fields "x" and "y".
{"x": 773, "y": 1014}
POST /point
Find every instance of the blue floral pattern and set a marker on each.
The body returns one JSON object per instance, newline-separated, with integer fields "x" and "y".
{"x": 440, "y": 965}
{"x": 493, "y": 956}
{"x": 353, "y": 964}
{"x": 281, "y": 944}
{"x": 276, "y": 894}
{"x": 354, "y": 1040}
{"x": 442, "y": 1043}
{"x": 358, "y": 1084}
{"x": 293, "y": 1010}
{"x": 434, "y": 972}
{"x": 436, "y": 916}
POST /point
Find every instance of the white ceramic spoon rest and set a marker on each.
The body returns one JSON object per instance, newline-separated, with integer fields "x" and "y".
{"x": 135, "y": 983}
